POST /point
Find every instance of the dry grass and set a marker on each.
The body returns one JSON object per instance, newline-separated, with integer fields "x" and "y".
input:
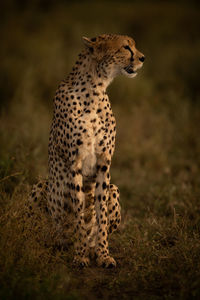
{"x": 156, "y": 163}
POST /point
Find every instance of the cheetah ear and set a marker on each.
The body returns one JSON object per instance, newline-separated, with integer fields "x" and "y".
{"x": 87, "y": 42}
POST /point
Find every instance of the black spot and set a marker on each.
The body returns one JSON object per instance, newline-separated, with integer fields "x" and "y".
{"x": 104, "y": 185}
{"x": 79, "y": 142}
{"x": 101, "y": 143}
{"x": 98, "y": 167}
{"x": 93, "y": 39}
{"x": 104, "y": 169}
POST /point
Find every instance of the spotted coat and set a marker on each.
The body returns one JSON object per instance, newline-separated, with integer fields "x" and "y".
{"x": 81, "y": 146}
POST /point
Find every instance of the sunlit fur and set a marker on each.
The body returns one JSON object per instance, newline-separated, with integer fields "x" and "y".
{"x": 81, "y": 146}
{"x": 109, "y": 53}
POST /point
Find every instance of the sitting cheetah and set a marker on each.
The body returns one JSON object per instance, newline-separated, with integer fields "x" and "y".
{"x": 81, "y": 145}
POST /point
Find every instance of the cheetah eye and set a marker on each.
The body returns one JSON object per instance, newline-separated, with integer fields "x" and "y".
{"x": 128, "y": 48}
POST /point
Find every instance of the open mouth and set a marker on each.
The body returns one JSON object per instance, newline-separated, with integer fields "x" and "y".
{"x": 129, "y": 70}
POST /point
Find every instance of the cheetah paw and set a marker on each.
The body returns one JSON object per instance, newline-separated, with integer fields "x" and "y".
{"x": 81, "y": 262}
{"x": 106, "y": 262}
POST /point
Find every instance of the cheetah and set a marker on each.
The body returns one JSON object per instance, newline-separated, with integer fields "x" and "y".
{"x": 81, "y": 146}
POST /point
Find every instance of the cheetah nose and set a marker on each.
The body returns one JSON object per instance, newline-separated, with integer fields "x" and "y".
{"x": 142, "y": 58}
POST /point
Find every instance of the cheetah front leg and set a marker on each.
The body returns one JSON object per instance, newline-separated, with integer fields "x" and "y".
{"x": 101, "y": 207}
{"x": 78, "y": 202}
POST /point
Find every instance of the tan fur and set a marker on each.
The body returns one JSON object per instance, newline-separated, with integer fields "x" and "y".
{"x": 81, "y": 145}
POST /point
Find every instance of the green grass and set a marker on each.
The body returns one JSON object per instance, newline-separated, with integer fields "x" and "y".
{"x": 156, "y": 163}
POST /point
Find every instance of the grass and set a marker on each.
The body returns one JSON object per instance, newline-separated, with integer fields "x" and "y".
{"x": 156, "y": 163}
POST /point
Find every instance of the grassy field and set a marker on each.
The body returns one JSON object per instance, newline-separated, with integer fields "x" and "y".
{"x": 156, "y": 163}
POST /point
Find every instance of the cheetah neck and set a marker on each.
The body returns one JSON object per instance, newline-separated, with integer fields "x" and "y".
{"x": 90, "y": 74}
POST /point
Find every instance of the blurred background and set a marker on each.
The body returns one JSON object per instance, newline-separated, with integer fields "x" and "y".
{"x": 157, "y": 159}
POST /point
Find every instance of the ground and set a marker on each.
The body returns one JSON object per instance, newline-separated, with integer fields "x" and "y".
{"x": 156, "y": 163}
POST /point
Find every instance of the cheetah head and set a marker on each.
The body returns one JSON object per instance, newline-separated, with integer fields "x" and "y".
{"x": 115, "y": 54}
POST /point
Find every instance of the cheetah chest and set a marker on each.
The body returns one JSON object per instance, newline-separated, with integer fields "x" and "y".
{"x": 98, "y": 141}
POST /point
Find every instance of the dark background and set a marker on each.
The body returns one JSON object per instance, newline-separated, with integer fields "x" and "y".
{"x": 156, "y": 163}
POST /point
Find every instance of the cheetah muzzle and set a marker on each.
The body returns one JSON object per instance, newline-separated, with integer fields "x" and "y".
{"x": 81, "y": 146}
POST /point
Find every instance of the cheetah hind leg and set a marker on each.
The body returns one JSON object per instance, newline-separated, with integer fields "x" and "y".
{"x": 114, "y": 209}
{"x": 37, "y": 206}
{"x": 38, "y": 197}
